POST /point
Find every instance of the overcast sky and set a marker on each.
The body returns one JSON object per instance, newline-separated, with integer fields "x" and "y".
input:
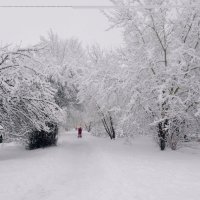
{"x": 26, "y": 25}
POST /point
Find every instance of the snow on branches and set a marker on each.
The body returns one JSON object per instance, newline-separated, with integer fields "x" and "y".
{"x": 26, "y": 97}
{"x": 154, "y": 77}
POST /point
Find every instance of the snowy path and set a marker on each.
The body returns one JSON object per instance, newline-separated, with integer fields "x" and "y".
{"x": 98, "y": 169}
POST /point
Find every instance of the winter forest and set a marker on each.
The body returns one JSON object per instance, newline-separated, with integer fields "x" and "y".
{"x": 138, "y": 105}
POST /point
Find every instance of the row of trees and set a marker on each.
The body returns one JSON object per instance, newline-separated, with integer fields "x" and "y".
{"x": 38, "y": 89}
{"x": 151, "y": 84}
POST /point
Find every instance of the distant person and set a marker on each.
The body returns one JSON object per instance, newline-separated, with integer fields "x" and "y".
{"x": 79, "y": 132}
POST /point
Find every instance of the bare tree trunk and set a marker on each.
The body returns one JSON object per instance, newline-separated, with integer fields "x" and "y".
{"x": 162, "y": 133}
{"x": 112, "y": 128}
{"x": 108, "y": 125}
{"x": 88, "y": 126}
{"x": 165, "y": 57}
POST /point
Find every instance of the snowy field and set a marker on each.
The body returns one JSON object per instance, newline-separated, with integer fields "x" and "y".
{"x": 99, "y": 169}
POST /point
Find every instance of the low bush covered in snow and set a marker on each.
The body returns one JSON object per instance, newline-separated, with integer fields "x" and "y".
{"x": 40, "y": 139}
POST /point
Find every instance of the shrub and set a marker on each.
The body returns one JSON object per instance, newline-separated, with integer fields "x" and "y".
{"x": 40, "y": 139}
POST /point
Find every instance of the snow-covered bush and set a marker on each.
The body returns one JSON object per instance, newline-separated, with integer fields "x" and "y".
{"x": 42, "y": 138}
{"x": 26, "y": 97}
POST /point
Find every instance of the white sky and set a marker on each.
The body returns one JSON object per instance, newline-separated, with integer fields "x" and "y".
{"x": 26, "y": 25}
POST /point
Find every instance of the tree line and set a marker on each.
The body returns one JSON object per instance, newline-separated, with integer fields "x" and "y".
{"x": 149, "y": 85}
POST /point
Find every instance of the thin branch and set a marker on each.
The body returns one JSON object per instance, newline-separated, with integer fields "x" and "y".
{"x": 10, "y": 66}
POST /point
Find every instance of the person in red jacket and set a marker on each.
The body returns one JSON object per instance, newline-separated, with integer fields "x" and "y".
{"x": 79, "y": 132}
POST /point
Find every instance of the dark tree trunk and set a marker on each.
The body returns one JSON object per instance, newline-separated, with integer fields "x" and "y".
{"x": 88, "y": 126}
{"x": 112, "y": 128}
{"x": 108, "y": 125}
{"x": 1, "y": 138}
{"x": 162, "y": 133}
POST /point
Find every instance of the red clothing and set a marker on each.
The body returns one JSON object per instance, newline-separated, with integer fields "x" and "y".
{"x": 80, "y": 132}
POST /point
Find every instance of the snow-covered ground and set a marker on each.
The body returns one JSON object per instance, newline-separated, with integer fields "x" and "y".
{"x": 99, "y": 169}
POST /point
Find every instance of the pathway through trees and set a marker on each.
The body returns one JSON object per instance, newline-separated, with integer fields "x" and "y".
{"x": 94, "y": 168}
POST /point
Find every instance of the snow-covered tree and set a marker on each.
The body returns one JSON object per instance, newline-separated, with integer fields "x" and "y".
{"x": 64, "y": 60}
{"x": 151, "y": 84}
{"x": 161, "y": 59}
{"x": 27, "y": 98}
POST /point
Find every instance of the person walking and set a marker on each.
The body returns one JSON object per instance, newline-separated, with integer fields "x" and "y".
{"x": 79, "y": 132}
